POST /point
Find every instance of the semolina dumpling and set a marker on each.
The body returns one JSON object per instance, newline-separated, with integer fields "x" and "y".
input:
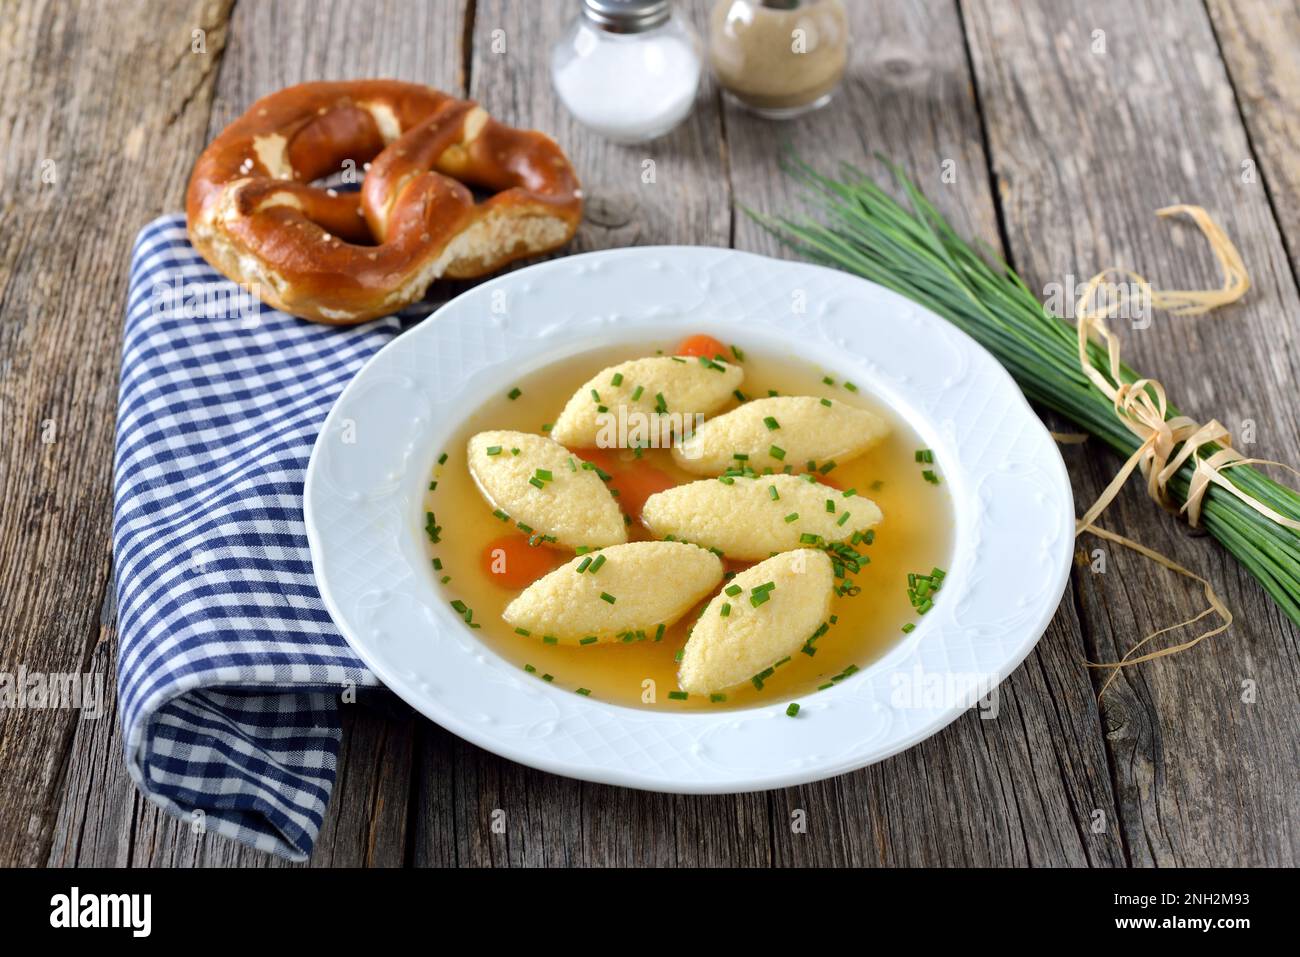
{"x": 766, "y": 613}
{"x": 663, "y": 389}
{"x": 546, "y": 488}
{"x": 620, "y": 590}
{"x": 779, "y": 432}
{"x": 752, "y": 518}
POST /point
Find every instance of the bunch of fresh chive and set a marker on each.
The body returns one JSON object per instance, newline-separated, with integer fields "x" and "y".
{"x": 917, "y": 253}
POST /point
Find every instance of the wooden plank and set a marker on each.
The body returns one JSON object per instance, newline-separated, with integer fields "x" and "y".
{"x": 1022, "y": 788}
{"x": 1085, "y": 141}
{"x": 274, "y": 45}
{"x": 103, "y": 819}
{"x": 1259, "y": 40}
{"x": 549, "y": 820}
{"x": 87, "y": 160}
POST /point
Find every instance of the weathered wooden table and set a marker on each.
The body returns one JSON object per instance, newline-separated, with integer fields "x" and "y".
{"x": 1063, "y": 125}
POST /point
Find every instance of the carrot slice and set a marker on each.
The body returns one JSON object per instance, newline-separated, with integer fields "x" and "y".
{"x": 634, "y": 481}
{"x": 635, "y": 485}
{"x": 512, "y": 563}
{"x": 702, "y": 345}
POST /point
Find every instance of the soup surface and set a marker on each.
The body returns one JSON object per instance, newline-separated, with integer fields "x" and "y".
{"x": 877, "y": 609}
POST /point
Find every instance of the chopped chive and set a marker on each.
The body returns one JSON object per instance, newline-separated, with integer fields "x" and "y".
{"x": 582, "y": 565}
{"x": 432, "y": 528}
{"x": 678, "y": 657}
{"x": 716, "y": 697}
{"x": 659, "y": 632}
{"x": 501, "y": 515}
{"x": 850, "y": 386}
{"x": 607, "y": 597}
{"x": 771, "y": 423}
{"x": 494, "y": 450}
{"x": 617, "y": 380}
{"x": 678, "y": 695}
{"x": 513, "y": 394}
{"x": 792, "y": 517}
{"x": 433, "y": 486}
{"x": 808, "y": 538}
{"x": 550, "y": 640}
{"x": 595, "y": 395}
{"x": 792, "y": 710}
{"x": 733, "y": 590}
{"x": 661, "y": 404}
{"x": 530, "y": 669}
{"x": 548, "y": 677}
{"x": 909, "y": 628}
{"x": 773, "y": 494}
{"x": 826, "y": 402}
{"x": 930, "y": 477}
{"x": 523, "y": 631}
{"x": 740, "y": 396}
{"x": 589, "y": 640}
{"x": 442, "y": 459}
{"x": 725, "y": 610}
{"x": 437, "y": 564}
{"x": 582, "y": 691}
{"x": 828, "y": 380}
{"x": 444, "y": 579}
{"x": 844, "y": 517}
{"x": 547, "y": 427}
{"x": 777, "y": 453}
{"x": 829, "y": 684}
{"x": 827, "y": 467}
{"x": 536, "y": 482}
{"x": 545, "y": 475}
{"x": 636, "y": 393}
{"x": 595, "y": 565}
{"x": 830, "y": 506}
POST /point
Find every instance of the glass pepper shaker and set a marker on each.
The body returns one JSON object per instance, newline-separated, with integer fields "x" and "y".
{"x": 627, "y": 69}
{"x": 779, "y": 58}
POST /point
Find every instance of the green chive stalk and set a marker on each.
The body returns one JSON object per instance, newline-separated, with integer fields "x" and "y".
{"x": 916, "y": 252}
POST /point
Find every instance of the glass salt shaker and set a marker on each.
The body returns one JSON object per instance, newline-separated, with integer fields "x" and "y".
{"x": 627, "y": 69}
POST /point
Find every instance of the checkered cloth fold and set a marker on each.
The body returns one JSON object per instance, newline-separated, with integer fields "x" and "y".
{"x": 229, "y": 668}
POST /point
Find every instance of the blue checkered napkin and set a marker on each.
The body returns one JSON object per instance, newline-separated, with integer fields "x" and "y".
{"x": 229, "y": 668}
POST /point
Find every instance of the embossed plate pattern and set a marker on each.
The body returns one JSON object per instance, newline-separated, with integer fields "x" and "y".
{"x": 1012, "y": 504}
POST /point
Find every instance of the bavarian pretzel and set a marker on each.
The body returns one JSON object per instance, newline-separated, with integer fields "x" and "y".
{"x": 344, "y": 257}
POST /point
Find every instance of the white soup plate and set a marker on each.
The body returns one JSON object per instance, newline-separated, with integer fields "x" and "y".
{"x": 1013, "y": 511}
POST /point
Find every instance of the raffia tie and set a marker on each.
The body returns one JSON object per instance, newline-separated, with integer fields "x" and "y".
{"x": 1166, "y": 443}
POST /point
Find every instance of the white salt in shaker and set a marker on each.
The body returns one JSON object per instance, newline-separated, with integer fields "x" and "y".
{"x": 627, "y": 69}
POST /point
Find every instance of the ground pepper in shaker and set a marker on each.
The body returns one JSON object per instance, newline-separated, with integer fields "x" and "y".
{"x": 779, "y": 58}
{"x": 627, "y": 69}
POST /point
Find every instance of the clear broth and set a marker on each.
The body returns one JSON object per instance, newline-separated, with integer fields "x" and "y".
{"x": 915, "y": 536}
